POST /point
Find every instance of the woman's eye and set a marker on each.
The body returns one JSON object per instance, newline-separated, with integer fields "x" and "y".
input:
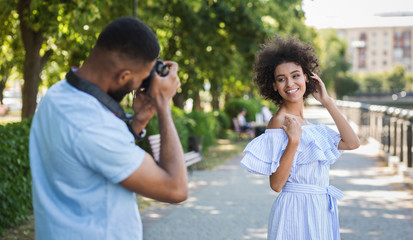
{"x": 281, "y": 79}
{"x": 296, "y": 75}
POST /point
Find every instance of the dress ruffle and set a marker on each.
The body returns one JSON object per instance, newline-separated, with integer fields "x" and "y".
{"x": 317, "y": 143}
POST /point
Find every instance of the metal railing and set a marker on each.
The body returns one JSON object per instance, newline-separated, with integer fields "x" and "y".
{"x": 391, "y": 126}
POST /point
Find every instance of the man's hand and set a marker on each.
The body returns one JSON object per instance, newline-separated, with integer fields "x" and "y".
{"x": 144, "y": 109}
{"x": 167, "y": 181}
{"x": 164, "y": 88}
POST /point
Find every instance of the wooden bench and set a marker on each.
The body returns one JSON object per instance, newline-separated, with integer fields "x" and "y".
{"x": 190, "y": 158}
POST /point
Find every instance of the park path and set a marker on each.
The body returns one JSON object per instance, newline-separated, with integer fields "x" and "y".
{"x": 229, "y": 203}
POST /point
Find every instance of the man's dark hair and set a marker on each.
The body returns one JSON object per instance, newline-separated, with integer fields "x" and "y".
{"x": 280, "y": 50}
{"x": 131, "y": 38}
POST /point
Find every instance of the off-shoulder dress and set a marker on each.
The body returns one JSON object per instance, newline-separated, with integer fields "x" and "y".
{"x": 307, "y": 206}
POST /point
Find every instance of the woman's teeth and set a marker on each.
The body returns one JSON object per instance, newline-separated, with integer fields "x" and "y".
{"x": 292, "y": 91}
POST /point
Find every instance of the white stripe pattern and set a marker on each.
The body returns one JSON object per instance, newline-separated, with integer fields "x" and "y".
{"x": 307, "y": 206}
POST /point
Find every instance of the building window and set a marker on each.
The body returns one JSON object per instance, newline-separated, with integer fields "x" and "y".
{"x": 362, "y": 51}
{"x": 384, "y": 63}
{"x": 385, "y": 53}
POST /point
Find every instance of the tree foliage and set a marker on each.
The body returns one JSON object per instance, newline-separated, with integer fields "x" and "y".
{"x": 213, "y": 41}
{"x": 333, "y": 60}
{"x": 392, "y": 81}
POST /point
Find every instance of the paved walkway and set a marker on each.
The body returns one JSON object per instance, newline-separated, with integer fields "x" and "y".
{"x": 229, "y": 203}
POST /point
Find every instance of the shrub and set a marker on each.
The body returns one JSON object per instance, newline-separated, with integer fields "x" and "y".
{"x": 152, "y": 128}
{"x": 180, "y": 121}
{"x": 15, "y": 178}
{"x": 223, "y": 123}
{"x": 234, "y": 106}
{"x": 204, "y": 125}
{"x": 345, "y": 85}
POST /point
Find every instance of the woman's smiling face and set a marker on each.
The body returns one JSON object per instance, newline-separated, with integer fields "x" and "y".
{"x": 290, "y": 81}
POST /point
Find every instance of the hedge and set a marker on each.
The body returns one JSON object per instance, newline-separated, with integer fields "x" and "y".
{"x": 223, "y": 123}
{"x": 180, "y": 121}
{"x": 15, "y": 179}
{"x": 204, "y": 125}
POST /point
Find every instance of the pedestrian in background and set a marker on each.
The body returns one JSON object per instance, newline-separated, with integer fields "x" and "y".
{"x": 266, "y": 113}
{"x": 295, "y": 154}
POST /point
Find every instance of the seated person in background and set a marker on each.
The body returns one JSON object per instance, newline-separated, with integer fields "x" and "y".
{"x": 243, "y": 124}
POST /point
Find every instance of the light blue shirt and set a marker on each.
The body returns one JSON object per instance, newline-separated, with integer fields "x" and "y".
{"x": 79, "y": 152}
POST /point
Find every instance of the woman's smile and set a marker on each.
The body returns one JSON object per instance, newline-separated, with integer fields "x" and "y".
{"x": 292, "y": 91}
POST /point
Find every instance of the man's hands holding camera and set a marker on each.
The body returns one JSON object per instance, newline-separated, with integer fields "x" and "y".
{"x": 164, "y": 88}
{"x": 161, "y": 90}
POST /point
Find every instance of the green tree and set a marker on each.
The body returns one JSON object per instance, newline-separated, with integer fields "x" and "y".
{"x": 60, "y": 31}
{"x": 396, "y": 79}
{"x": 373, "y": 82}
{"x": 345, "y": 85}
{"x": 213, "y": 41}
{"x": 216, "y": 41}
{"x": 333, "y": 62}
{"x": 11, "y": 56}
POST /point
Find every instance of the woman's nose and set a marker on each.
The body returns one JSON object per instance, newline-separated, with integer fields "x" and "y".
{"x": 289, "y": 82}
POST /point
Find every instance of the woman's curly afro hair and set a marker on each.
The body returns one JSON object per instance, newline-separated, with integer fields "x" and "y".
{"x": 280, "y": 50}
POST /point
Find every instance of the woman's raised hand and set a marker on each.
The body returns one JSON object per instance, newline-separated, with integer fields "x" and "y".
{"x": 320, "y": 93}
{"x": 292, "y": 128}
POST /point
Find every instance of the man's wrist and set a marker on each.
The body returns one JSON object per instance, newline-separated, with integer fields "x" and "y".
{"x": 136, "y": 128}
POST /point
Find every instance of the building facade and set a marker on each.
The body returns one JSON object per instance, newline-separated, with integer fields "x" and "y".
{"x": 378, "y": 49}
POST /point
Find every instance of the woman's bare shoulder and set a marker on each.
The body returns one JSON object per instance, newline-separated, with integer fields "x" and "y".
{"x": 276, "y": 121}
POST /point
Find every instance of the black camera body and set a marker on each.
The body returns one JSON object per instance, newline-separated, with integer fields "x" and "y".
{"x": 161, "y": 69}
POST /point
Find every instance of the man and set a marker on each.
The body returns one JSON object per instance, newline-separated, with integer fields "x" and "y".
{"x": 266, "y": 113}
{"x": 85, "y": 165}
{"x": 244, "y": 125}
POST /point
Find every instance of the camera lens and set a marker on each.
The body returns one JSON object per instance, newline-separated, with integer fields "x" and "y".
{"x": 161, "y": 68}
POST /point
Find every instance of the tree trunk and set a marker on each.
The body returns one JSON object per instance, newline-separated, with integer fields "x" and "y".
{"x": 215, "y": 99}
{"x": 2, "y": 87}
{"x": 179, "y": 101}
{"x": 33, "y": 62}
{"x": 197, "y": 102}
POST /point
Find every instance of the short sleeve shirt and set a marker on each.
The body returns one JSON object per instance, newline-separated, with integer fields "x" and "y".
{"x": 79, "y": 152}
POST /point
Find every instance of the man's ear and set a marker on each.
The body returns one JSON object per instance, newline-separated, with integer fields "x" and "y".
{"x": 123, "y": 77}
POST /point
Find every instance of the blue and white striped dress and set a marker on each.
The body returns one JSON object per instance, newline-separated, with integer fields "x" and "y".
{"x": 307, "y": 206}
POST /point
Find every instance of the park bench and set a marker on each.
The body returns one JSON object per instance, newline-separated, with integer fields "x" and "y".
{"x": 190, "y": 157}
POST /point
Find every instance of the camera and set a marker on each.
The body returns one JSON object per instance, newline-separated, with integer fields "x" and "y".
{"x": 161, "y": 69}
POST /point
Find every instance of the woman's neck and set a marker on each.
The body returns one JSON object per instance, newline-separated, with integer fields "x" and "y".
{"x": 296, "y": 109}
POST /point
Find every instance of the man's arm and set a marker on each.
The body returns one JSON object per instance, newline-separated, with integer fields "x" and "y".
{"x": 167, "y": 182}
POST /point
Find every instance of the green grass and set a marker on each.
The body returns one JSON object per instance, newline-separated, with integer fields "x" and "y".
{"x": 222, "y": 151}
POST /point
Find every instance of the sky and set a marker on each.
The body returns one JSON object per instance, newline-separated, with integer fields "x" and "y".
{"x": 356, "y": 13}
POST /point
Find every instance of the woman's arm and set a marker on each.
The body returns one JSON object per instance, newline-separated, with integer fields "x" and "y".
{"x": 293, "y": 130}
{"x": 349, "y": 139}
